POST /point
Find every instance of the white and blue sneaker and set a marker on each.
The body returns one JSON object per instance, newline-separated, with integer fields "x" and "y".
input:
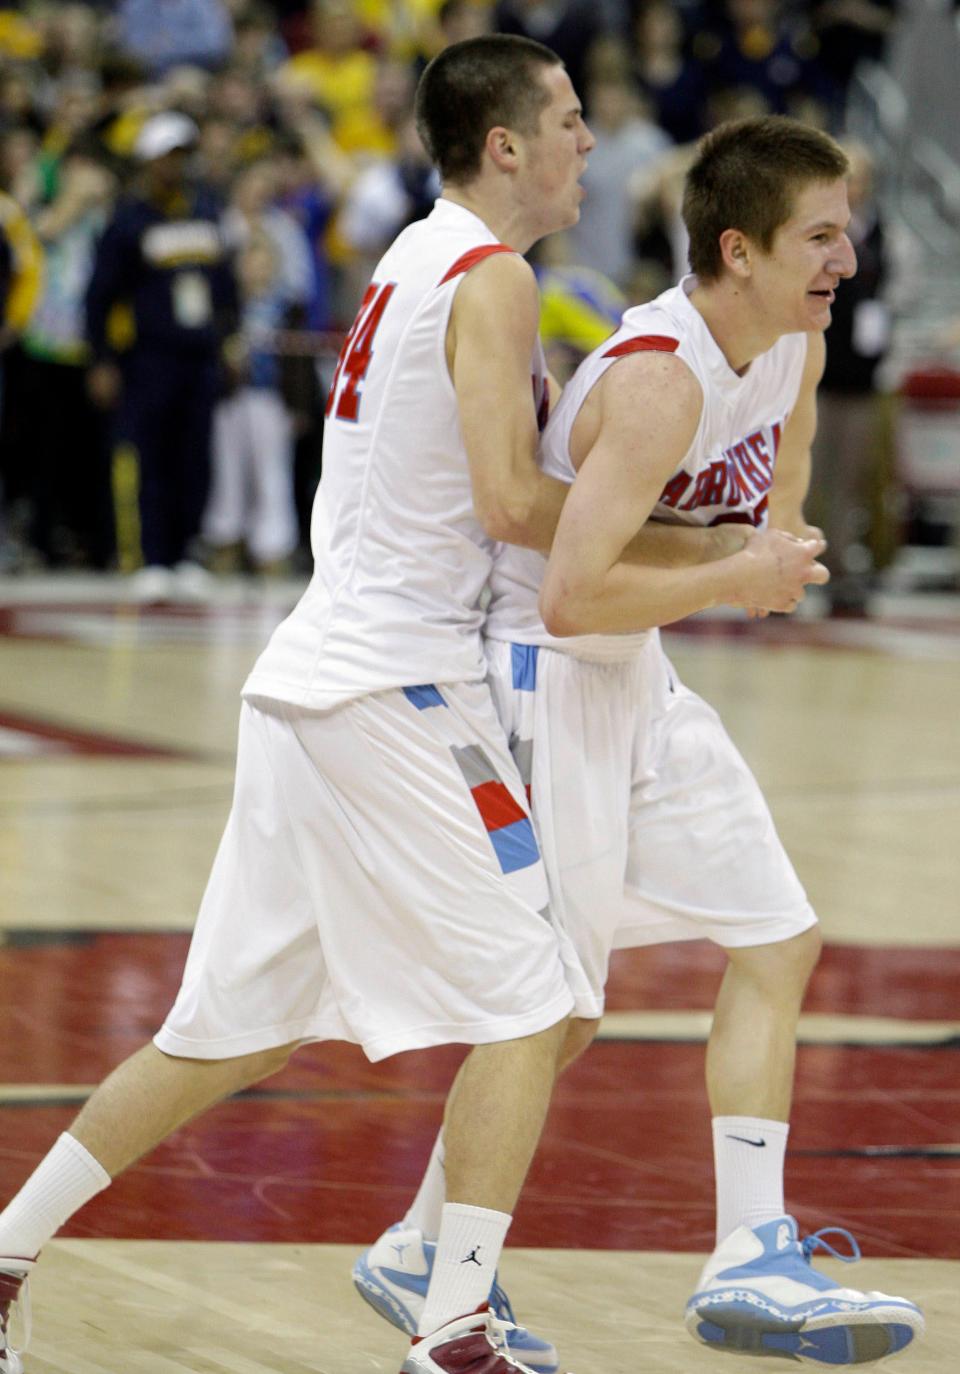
{"x": 393, "y": 1277}
{"x": 760, "y": 1295}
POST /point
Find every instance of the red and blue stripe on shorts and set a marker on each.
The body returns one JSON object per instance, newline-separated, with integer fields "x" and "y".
{"x": 507, "y": 824}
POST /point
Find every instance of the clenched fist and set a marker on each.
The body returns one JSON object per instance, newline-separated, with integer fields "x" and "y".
{"x": 775, "y": 569}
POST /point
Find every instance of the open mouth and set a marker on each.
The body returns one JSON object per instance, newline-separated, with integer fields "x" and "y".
{"x": 827, "y": 296}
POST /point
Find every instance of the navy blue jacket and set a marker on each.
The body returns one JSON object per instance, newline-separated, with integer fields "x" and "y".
{"x": 172, "y": 269}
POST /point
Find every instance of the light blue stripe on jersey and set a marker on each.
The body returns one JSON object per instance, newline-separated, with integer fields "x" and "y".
{"x": 523, "y": 660}
{"x": 424, "y": 696}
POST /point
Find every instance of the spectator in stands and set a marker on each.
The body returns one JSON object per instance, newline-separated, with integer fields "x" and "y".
{"x": 387, "y": 196}
{"x": 849, "y": 32}
{"x": 74, "y": 112}
{"x": 246, "y": 106}
{"x": 252, "y": 212}
{"x": 163, "y": 256}
{"x": 166, "y": 33}
{"x": 251, "y": 509}
{"x": 20, "y": 276}
{"x": 258, "y": 46}
{"x": 846, "y": 448}
{"x": 216, "y": 158}
{"x": 309, "y": 196}
{"x": 19, "y": 175}
{"x": 69, "y": 475}
{"x": 756, "y": 47}
{"x": 458, "y": 20}
{"x": 628, "y": 145}
{"x": 579, "y": 307}
{"x": 569, "y": 27}
{"x": 670, "y": 80}
{"x": 338, "y": 70}
{"x": 71, "y": 37}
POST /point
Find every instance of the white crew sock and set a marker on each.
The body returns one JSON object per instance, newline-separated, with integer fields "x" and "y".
{"x": 68, "y": 1177}
{"x": 427, "y": 1207}
{"x": 748, "y": 1154}
{"x": 468, "y": 1252}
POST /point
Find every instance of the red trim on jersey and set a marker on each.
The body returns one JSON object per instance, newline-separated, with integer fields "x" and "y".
{"x": 496, "y": 805}
{"x": 644, "y": 343}
{"x": 475, "y": 255}
{"x": 743, "y": 517}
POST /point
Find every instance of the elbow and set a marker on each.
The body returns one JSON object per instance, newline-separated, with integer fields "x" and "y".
{"x": 560, "y": 612}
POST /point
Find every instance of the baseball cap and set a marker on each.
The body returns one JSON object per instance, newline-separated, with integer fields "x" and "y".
{"x": 162, "y": 133}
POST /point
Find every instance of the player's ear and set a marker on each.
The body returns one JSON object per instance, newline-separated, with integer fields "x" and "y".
{"x": 735, "y": 250}
{"x": 501, "y": 144}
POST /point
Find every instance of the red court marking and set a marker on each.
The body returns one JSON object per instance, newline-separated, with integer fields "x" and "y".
{"x": 70, "y": 740}
{"x": 625, "y": 1161}
{"x": 84, "y": 1002}
{"x": 910, "y": 983}
{"x": 334, "y": 1150}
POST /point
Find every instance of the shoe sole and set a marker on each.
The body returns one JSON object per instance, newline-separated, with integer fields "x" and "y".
{"x": 382, "y": 1300}
{"x": 830, "y": 1340}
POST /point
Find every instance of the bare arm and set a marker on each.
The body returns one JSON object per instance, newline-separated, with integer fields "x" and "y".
{"x": 649, "y": 410}
{"x": 660, "y": 545}
{"x": 490, "y": 342}
{"x": 791, "y": 475}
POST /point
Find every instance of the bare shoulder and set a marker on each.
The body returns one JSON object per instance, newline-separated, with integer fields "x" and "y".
{"x": 657, "y": 382}
{"x": 502, "y": 282}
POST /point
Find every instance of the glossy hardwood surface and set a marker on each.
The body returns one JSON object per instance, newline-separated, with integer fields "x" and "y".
{"x": 117, "y": 732}
{"x": 151, "y": 1308}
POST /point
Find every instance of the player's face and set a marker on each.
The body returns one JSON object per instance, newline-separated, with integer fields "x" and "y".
{"x": 810, "y": 254}
{"x": 555, "y": 157}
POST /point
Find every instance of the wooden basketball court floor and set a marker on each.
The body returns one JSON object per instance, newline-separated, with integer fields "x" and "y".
{"x": 229, "y": 1248}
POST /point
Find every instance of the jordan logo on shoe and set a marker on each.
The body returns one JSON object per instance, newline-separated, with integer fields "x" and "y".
{"x": 757, "y": 1144}
{"x": 472, "y": 1257}
{"x": 783, "y": 1237}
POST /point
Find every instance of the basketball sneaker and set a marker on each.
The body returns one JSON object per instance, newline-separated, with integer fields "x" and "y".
{"x": 14, "y": 1292}
{"x": 475, "y": 1344}
{"x": 760, "y": 1295}
{"x": 393, "y": 1277}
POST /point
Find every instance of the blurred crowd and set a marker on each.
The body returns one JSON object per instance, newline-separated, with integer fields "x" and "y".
{"x": 193, "y": 194}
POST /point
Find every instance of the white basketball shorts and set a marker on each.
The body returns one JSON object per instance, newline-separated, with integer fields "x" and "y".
{"x": 651, "y": 826}
{"x": 378, "y": 882}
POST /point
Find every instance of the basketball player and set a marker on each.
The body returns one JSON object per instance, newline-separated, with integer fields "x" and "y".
{"x": 378, "y": 880}
{"x": 379, "y": 820}
{"x": 650, "y": 824}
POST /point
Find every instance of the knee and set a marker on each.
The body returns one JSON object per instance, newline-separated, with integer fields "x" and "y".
{"x": 782, "y": 968}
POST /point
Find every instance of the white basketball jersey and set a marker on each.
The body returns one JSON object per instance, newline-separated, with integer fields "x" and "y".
{"x": 725, "y": 475}
{"x": 400, "y": 559}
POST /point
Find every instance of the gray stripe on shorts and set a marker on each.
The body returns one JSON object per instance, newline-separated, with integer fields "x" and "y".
{"x": 522, "y": 751}
{"x": 474, "y": 765}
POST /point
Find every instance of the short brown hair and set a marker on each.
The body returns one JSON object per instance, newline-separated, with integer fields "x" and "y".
{"x": 746, "y": 176}
{"x": 471, "y": 87}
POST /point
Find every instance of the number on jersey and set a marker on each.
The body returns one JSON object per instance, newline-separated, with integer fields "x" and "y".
{"x": 343, "y": 401}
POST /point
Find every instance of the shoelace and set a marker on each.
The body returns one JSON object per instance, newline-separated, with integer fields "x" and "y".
{"x": 497, "y": 1334}
{"x": 816, "y": 1242}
